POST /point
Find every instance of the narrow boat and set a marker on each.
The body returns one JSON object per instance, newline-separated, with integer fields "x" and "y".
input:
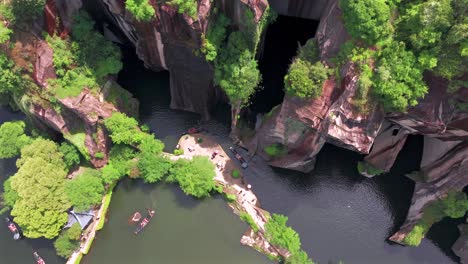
{"x": 144, "y": 222}
{"x": 243, "y": 162}
{"x": 38, "y": 258}
{"x": 14, "y": 229}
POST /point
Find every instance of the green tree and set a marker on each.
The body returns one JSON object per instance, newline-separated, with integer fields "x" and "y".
{"x": 25, "y": 11}
{"x": 86, "y": 190}
{"x": 71, "y": 156}
{"x": 4, "y": 33}
{"x": 64, "y": 246}
{"x": 188, "y": 7}
{"x": 305, "y": 79}
{"x": 123, "y": 129}
{"x": 281, "y": 235}
{"x": 153, "y": 167}
{"x": 12, "y": 139}
{"x": 151, "y": 145}
{"x": 211, "y": 43}
{"x": 110, "y": 174}
{"x": 141, "y": 9}
{"x": 40, "y": 184}
{"x": 195, "y": 177}
{"x": 9, "y": 196}
{"x": 10, "y": 77}
{"x": 300, "y": 257}
{"x": 398, "y": 80}
{"x": 367, "y": 19}
{"x": 74, "y": 232}
{"x": 455, "y": 204}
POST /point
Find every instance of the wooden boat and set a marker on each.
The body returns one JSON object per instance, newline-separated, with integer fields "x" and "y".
{"x": 144, "y": 222}
{"x": 14, "y": 229}
{"x": 38, "y": 258}
{"x": 243, "y": 162}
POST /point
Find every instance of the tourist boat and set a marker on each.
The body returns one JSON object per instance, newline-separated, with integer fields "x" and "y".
{"x": 14, "y": 229}
{"x": 244, "y": 164}
{"x": 38, "y": 258}
{"x": 144, "y": 222}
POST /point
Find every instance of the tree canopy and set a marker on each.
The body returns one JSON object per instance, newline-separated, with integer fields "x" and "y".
{"x": 189, "y": 7}
{"x": 40, "y": 208}
{"x": 367, "y": 19}
{"x": 10, "y": 77}
{"x": 12, "y": 139}
{"x": 195, "y": 177}
{"x": 68, "y": 241}
{"x": 71, "y": 156}
{"x": 141, "y": 9}
{"x": 123, "y": 129}
{"x": 153, "y": 167}
{"x": 86, "y": 190}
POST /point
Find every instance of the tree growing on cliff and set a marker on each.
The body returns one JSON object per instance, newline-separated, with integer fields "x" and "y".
{"x": 278, "y": 233}
{"x": 4, "y": 33}
{"x": 86, "y": 190}
{"x": 25, "y": 11}
{"x": 141, "y": 9}
{"x": 12, "y": 139}
{"x": 195, "y": 177}
{"x": 305, "y": 79}
{"x": 368, "y": 20}
{"x": 123, "y": 129}
{"x": 398, "y": 80}
{"x": 10, "y": 77}
{"x": 40, "y": 209}
{"x": 189, "y": 7}
{"x": 236, "y": 70}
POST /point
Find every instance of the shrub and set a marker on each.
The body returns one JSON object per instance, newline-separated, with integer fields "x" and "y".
{"x": 178, "y": 152}
{"x": 249, "y": 220}
{"x": 99, "y": 155}
{"x": 4, "y": 33}
{"x": 105, "y": 206}
{"x": 141, "y": 9}
{"x": 10, "y": 76}
{"x": 64, "y": 246}
{"x": 275, "y": 150}
{"x": 195, "y": 177}
{"x": 415, "y": 236}
{"x": 300, "y": 257}
{"x": 235, "y": 173}
{"x": 230, "y": 197}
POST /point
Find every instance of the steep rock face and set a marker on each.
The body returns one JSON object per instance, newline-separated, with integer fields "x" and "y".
{"x": 444, "y": 170}
{"x": 460, "y": 247}
{"x": 170, "y": 41}
{"x": 310, "y": 9}
{"x": 438, "y": 114}
{"x": 387, "y": 145}
{"x": 330, "y": 117}
{"x": 78, "y": 119}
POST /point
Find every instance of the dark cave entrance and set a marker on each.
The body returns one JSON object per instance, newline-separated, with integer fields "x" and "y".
{"x": 280, "y": 46}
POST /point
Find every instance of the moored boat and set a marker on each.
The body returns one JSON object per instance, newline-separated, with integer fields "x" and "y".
{"x": 144, "y": 222}
{"x": 38, "y": 258}
{"x": 14, "y": 229}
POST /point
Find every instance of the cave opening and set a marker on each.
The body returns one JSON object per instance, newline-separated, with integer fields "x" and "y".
{"x": 280, "y": 46}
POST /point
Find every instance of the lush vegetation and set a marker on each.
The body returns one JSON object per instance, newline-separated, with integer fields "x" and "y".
{"x": 71, "y": 156}
{"x": 86, "y": 190}
{"x": 10, "y": 77}
{"x": 367, "y": 20}
{"x": 195, "y": 176}
{"x": 454, "y": 205}
{"x": 40, "y": 186}
{"x": 153, "y": 167}
{"x": 12, "y": 139}
{"x": 189, "y": 7}
{"x": 249, "y": 220}
{"x": 4, "y": 33}
{"x": 120, "y": 163}
{"x": 84, "y": 60}
{"x": 68, "y": 241}
{"x": 141, "y": 9}
{"x": 105, "y": 206}
{"x": 22, "y": 12}
{"x": 279, "y": 234}
{"x": 123, "y": 129}
{"x": 306, "y": 74}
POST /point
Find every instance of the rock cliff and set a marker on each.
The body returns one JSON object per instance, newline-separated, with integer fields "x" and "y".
{"x": 461, "y": 245}
{"x": 78, "y": 119}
